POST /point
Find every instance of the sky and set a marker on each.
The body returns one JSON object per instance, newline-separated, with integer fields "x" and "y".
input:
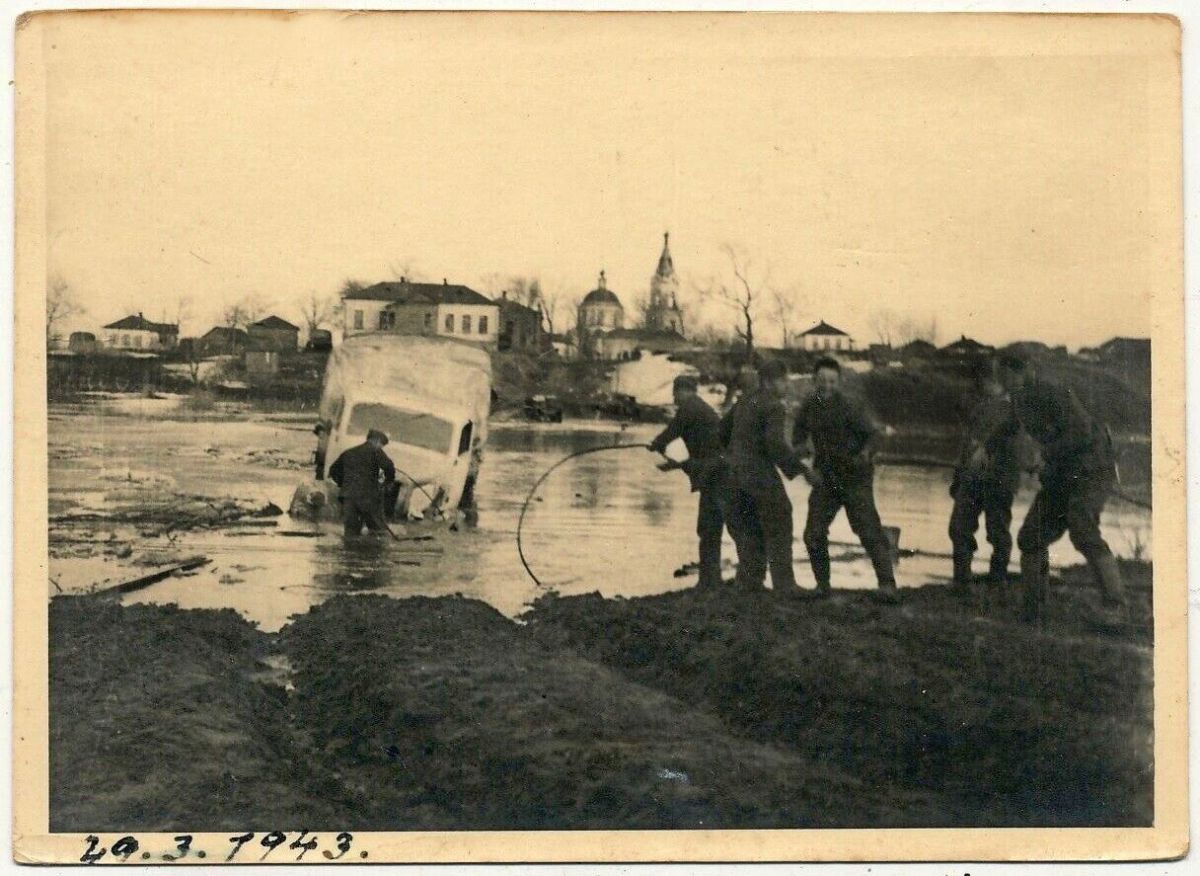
{"x": 198, "y": 157}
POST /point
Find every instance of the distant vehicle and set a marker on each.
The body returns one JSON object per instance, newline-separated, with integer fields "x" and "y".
{"x": 430, "y": 396}
{"x": 619, "y": 406}
{"x": 321, "y": 340}
{"x": 543, "y": 409}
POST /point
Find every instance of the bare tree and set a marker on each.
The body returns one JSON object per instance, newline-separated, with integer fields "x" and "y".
{"x": 183, "y": 311}
{"x": 61, "y": 305}
{"x": 556, "y": 306}
{"x": 897, "y": 330}
{"x": 406, "y": 269}
{"x": 246, "y": 310}
{"x": 883, "y": 324}
{"x": 318, "y": 309}
{"x": 742, "y": 292}
{"x": 350, "y": 286}
{"x": 783, "y": 311}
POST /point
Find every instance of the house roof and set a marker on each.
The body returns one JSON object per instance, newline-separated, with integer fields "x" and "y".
{"x": 404, "y": 292}
{"x": 510, "y": 304}
{"x": 824, "y": 328}
{"x": 637, "y": 334}
{"x": 225, "y": 332}
{"x": 138, "y": 322}
{"x": 965, "y": 343}
{"x": 274, "y": 322}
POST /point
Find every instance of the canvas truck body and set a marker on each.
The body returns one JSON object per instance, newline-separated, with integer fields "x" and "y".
{"x": 430, "y": 396}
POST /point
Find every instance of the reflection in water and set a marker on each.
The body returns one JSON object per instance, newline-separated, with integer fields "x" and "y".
{"x": 609, "y": 522}
{"x": 657, "y": 507}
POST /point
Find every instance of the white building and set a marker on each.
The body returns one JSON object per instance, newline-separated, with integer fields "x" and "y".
{"x": 139, "y": 333}
{"x": 823, "y": 337}
{"x": 421, "y": 309}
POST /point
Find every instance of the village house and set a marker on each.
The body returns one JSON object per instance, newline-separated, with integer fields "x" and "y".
{"x": 632, "y": 343}
{"x": 223, "y": 340}
{"x": 274, "y": 333}
{"x": 520, "y": 326}
{"x": 964, "y": 348}
{"x": 823, "y": 337}
{"x": 445, "y": 309}
{"x": 137, "y": 333}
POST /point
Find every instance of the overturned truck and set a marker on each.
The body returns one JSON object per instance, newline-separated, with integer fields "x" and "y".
{"x": 430, "y": 396}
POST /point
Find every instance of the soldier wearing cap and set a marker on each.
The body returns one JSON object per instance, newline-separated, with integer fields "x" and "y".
{"x": 697, "y": 424}
{"x": 1078, "y": 471}
{"x": 357, "y": 473}
{"x": 843, "y": 437}
{"x": 754, "y": 432}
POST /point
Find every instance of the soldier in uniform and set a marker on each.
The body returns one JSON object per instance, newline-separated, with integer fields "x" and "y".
{"x": 699, "y": 426}
{"x": 356, "y": 472}
{"x": 754, "y": 433}
{"x": 1078, "y": 471}
{"x": 843, "y": 438}
{"x": 985, "y": 480}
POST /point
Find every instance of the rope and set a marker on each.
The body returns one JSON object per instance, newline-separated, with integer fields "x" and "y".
{"x": 542, "y": 480}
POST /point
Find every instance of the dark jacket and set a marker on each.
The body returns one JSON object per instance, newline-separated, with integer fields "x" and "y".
{"x": 1071, "y": 441}
{"x": 699, "y": 427}
{"x": 357, "y": 470}
{"x": 840, "y": 428}
{"x": 754, "y": 433}
{"x": 1004, "y": 447}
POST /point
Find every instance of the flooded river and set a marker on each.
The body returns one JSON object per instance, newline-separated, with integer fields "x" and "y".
{"x": 607, "y": 522}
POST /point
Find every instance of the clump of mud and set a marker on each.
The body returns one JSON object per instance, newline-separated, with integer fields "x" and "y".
{"x": 1005, "y": 723}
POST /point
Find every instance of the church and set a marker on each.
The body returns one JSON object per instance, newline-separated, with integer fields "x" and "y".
{"x": 601, "y": 331}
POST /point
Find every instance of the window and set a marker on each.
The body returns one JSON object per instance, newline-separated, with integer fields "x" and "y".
{"x": 466, "y": 325}
{"x": 450, "y": 323}
{"x": 428, "y": 321}
{"x": 404, "y": 427}
{"x": 124, "y": 340}
{"x": 464, "y": 440}
{"x": 358, "y": 320}
{"x": 382, "y": 320}
{"x": 483, "y": 327}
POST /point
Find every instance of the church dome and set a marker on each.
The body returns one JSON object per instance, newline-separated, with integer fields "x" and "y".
{"x": 602, "y": 294}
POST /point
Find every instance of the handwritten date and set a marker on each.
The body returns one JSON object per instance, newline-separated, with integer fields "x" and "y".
{"x": 302, "y": 843}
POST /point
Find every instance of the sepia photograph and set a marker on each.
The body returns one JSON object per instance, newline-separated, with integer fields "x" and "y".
{"x": 558, "y": 436}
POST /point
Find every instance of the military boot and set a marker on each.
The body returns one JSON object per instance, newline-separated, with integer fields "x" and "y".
{"x": 1108, "y": 576}
{"x": 962, "y": 572}
{"x": 1033, "y": 586}
{"x": 998, "y": 570}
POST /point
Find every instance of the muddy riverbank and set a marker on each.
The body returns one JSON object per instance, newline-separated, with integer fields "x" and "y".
{"x": 686, "y": 709}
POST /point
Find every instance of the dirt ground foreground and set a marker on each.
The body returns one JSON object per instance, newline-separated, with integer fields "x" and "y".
{"x": 690, "y": 709}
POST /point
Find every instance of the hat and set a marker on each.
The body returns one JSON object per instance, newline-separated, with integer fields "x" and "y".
{"x": 686, "y": 381}
{"x": 376, "y": 435}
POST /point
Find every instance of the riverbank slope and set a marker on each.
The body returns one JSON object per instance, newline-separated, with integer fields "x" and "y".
{"x": 689, "y": 709}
